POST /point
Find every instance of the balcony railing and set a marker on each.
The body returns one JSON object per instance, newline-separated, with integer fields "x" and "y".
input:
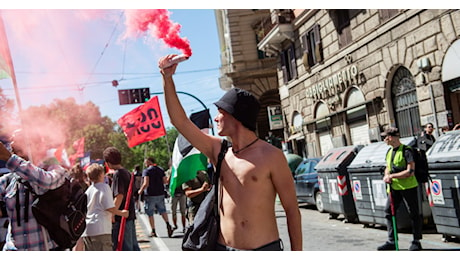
{"x": 274, "y": 29}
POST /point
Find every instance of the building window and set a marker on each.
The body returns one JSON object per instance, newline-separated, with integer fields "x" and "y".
{"x": 405, "y": 104}
{"x": 386, "y": 14}
{"x": 341, "y": 19}
{"x": 343, "y": 27}
{"x": 288, "y": 64}
{"x": 312, "y": 47}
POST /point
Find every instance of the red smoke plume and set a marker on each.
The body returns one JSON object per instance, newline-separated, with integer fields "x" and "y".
{"x": 158, "y": 22}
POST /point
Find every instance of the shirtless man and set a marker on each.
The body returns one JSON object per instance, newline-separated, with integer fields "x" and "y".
{"x": 253, "y": 171}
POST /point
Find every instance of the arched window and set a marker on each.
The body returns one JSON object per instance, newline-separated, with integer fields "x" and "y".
{"x": 297, "y": 121}
{"x": 405, "y": 104}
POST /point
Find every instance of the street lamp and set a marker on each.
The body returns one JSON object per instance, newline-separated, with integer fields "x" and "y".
{"x": 197, "y": 99}
{"x": 424, "y": 65}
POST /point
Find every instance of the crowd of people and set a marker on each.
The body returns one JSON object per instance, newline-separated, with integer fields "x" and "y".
{"x": 106, "y": 200}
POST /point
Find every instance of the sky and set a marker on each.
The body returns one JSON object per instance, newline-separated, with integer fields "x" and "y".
{"x": 77, "y": 53}
{"x": 66, "y": 49}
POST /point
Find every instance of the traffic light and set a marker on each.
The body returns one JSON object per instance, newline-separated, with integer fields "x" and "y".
{"x": 133, "y": 96}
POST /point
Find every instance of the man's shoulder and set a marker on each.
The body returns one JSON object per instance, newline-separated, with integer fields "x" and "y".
{"x": 123, "y": 171}
{"x": 270, "y": 150}
{"x": 153, "y": 169}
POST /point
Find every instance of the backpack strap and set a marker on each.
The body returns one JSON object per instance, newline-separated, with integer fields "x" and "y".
{"x": 28, "y": 189}
{"x": 220, "y": 158}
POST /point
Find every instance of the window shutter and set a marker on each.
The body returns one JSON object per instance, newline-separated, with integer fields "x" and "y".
{"x": 318, "y": 45}
{"x": 292, "y": 61}
{"x": 283, "y": 67}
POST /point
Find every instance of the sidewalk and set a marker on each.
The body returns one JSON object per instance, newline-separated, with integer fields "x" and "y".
{"x": 142, "y": 238}
{"x": 160, "y": 243}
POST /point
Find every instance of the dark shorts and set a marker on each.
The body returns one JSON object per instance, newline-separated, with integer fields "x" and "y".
{"x": 276, "y": 245}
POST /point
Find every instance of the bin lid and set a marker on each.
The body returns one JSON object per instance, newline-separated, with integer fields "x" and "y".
{"x": 337, "y": 158}
{"x": 446, "y": 148}
{"x": 373, "y": 155}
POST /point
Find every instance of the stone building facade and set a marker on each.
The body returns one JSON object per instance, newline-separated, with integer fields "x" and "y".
{"x": 343, "y": 75}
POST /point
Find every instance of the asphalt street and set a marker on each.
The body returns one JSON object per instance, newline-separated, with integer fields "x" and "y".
{"x": 319, "y": 234}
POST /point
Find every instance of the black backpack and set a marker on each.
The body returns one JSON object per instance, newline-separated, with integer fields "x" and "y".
{"x": 421, "y": 165}
{"x": 62, "y": 212}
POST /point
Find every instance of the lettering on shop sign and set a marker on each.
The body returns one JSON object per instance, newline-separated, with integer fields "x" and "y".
{"x": 333, "y": 85}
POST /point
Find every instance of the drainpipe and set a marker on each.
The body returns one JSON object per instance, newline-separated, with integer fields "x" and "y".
{"x": 435, "y": 123}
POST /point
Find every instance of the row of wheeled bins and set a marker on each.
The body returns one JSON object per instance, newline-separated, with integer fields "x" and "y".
{"x": 351, "y": 184}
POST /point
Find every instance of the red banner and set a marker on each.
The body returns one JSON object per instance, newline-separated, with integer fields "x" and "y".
{"x": 143, "y": 124}
{"x": 79, "y": 147}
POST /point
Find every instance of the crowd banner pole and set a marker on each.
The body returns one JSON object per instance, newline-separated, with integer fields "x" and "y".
{"x": 121, "y": 232}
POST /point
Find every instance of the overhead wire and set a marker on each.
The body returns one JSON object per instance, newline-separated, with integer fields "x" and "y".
{"x": 104, "y": 82}
{"x": 103, "y": 51}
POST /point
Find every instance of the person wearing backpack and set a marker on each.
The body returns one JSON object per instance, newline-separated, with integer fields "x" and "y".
{"x": 24, "y": 233}
{"x": 399, "y": 174}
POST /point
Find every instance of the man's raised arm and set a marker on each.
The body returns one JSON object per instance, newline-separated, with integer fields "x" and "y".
{"x": 179, "y": 119}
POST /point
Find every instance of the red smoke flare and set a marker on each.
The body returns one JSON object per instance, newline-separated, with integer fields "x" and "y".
{"x": 158, "y": 22}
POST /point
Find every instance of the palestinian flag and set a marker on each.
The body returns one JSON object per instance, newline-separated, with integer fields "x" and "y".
{"x": 186, "y": 159}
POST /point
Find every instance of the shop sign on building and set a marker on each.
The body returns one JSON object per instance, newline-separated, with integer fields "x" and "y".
{"x": 275, "y": 117}
{"x": 333, "y": 85}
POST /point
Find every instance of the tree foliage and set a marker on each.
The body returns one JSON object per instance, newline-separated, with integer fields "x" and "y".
{"x": 63, "y": 122}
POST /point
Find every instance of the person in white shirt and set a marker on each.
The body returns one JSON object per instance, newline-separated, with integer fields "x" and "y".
{"x": 98, "y": 233}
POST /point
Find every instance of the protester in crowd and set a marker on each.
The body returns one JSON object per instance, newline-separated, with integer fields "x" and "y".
{"x": 24, "y": 233}
{"x": 4, "y": 221}
{"x": 120, "y": 187}
{"x": 154, "y": 194}
{"x": 78, "y": 174}
{"x": 178, "y": 199}
{"x": 399, "y": 174}
{"x": 137, "y": 185}
{"x": 98, "y": 233}
{"x": 196, "y": 190}
{"x": 258, "y": 165}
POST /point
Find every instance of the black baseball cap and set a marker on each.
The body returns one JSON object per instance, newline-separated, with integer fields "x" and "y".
{"x": 242, "y": 105}
{"x": 391, "y": 131}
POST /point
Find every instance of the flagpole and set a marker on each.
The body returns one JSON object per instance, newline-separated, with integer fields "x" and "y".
{"x": 12, "y": 74}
